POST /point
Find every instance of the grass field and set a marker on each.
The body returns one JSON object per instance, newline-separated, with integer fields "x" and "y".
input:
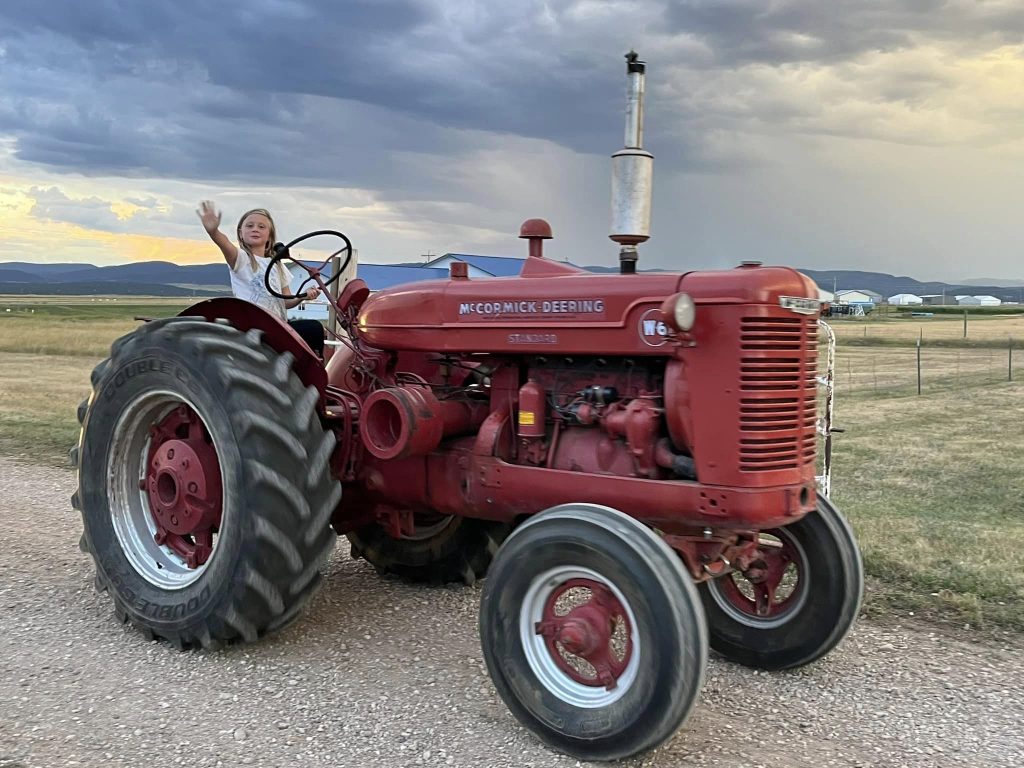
{"x": 74, "y": 326}
{"x": 931, "y": 483}
{"x": 48, "y": 347}
{"x": 933, "y": 488}
{"x": 947, "y": 330}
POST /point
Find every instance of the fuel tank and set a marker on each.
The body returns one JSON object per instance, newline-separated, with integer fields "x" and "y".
{"x": 556, "y": 308}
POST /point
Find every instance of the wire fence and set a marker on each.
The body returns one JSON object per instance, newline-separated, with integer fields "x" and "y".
{"x": 922, "y": 369}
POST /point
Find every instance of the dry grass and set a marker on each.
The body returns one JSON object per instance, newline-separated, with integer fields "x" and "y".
{"x": 931, "y": 482}
{"x": 932, "y": 486}
{"x": 48, "y": 347}
{"x": 941, "y": 328}
{"x": 38, "y": 398}
{"x": 82, "y": 338}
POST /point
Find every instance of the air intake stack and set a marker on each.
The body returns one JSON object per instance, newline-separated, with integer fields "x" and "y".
{"x": 632, "y": 174}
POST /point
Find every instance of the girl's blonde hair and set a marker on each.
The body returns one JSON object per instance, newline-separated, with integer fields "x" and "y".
{"x": 268, "y": 249}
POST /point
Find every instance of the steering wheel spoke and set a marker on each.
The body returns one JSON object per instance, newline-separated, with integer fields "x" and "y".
{"x": 283, "y": 251}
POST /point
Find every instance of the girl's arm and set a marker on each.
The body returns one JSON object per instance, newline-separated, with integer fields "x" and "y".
{"x": 210, "y": 217}
{"x": 309, "y": 295}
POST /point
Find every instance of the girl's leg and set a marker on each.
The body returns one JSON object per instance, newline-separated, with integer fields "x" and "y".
{"x": 312, "y": 332}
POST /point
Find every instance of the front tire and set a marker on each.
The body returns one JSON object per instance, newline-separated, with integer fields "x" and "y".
{"x": 818, "y": 597}
{"x": 204, "y": 483}
{"x": 593, "y": 633}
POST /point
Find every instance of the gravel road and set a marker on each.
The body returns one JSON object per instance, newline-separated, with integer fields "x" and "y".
{"x": 379, "y": 673}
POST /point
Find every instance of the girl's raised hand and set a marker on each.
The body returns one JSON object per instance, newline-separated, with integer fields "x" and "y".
{"x": 209, "y": 215}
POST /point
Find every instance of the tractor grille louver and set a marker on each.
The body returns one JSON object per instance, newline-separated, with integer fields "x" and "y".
{"x": 778, "y": 392}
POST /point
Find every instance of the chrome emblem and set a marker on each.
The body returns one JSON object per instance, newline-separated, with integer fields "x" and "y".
{"x": 800, "y": 305}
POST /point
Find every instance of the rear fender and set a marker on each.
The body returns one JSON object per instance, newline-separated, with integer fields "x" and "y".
{"x": 246, "y": 316}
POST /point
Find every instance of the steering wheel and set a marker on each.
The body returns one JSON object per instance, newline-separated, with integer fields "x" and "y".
{"x": 282, "y": 251}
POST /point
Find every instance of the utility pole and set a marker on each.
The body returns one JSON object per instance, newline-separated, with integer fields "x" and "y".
{"x": 919, "y": 361}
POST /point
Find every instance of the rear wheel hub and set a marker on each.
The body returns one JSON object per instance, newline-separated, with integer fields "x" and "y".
{"x": 183, "y": 486}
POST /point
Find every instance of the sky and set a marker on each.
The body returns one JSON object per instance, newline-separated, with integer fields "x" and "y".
{"x": 884, "y": 135}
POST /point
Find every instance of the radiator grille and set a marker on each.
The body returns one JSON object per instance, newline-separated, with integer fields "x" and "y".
{"x": 778, "y": 392}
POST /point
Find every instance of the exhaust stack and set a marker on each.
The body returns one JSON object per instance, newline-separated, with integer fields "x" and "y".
{"x": 632, "y": 174}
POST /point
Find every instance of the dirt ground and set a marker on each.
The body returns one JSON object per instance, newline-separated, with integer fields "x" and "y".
{"x": 379, "y": 673}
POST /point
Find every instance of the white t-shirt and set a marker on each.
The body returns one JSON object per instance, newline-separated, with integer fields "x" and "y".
{"x": 247, "y": 283}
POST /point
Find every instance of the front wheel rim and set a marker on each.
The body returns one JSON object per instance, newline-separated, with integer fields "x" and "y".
{"x": 148, "y": 485}
{"x": 751, "y": 604}
{"x": 556, "y": 652}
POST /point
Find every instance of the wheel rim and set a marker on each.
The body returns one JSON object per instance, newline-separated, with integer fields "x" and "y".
{"x": 771, "y": 593}
{"x": 579, "y": 636}
{"x": 427, "y": 526}
{"x": 165, "y": 489}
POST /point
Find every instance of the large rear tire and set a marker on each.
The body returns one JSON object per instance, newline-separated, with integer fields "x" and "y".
{"x": 592, "y": 632}
{"x": 820, "y": 585}
{"x": 204, "y": 483}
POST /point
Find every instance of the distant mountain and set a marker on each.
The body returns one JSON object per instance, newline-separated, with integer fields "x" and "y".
{"x": 46, "y": 270}
{"x": 152, "y": 272}
{"x": 993, "y": 281}
{"x": 101, "y": 287}
{"x": 890, "y": 285}
{"x": 123, "y": 278}
{"x": 17, "y": 276}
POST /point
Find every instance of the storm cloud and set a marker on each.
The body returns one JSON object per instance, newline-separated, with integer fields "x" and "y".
{"x": 462, "y": 115}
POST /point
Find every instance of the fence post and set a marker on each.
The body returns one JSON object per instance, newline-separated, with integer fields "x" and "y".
{"x": 919, "y": 365}
{"x": 1009, "y": 362}
{"x": 965, "y": 323}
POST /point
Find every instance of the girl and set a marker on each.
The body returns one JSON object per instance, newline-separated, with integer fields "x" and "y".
{"x": 248, "y": 264}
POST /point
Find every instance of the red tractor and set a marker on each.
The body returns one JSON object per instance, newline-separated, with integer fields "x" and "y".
{"x": 629, "y": 458}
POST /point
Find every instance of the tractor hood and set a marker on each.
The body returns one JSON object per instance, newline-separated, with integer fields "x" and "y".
{"x": 553, "y": 307}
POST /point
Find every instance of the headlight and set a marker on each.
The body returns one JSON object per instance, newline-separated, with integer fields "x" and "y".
{"x": 684, "y": 312}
